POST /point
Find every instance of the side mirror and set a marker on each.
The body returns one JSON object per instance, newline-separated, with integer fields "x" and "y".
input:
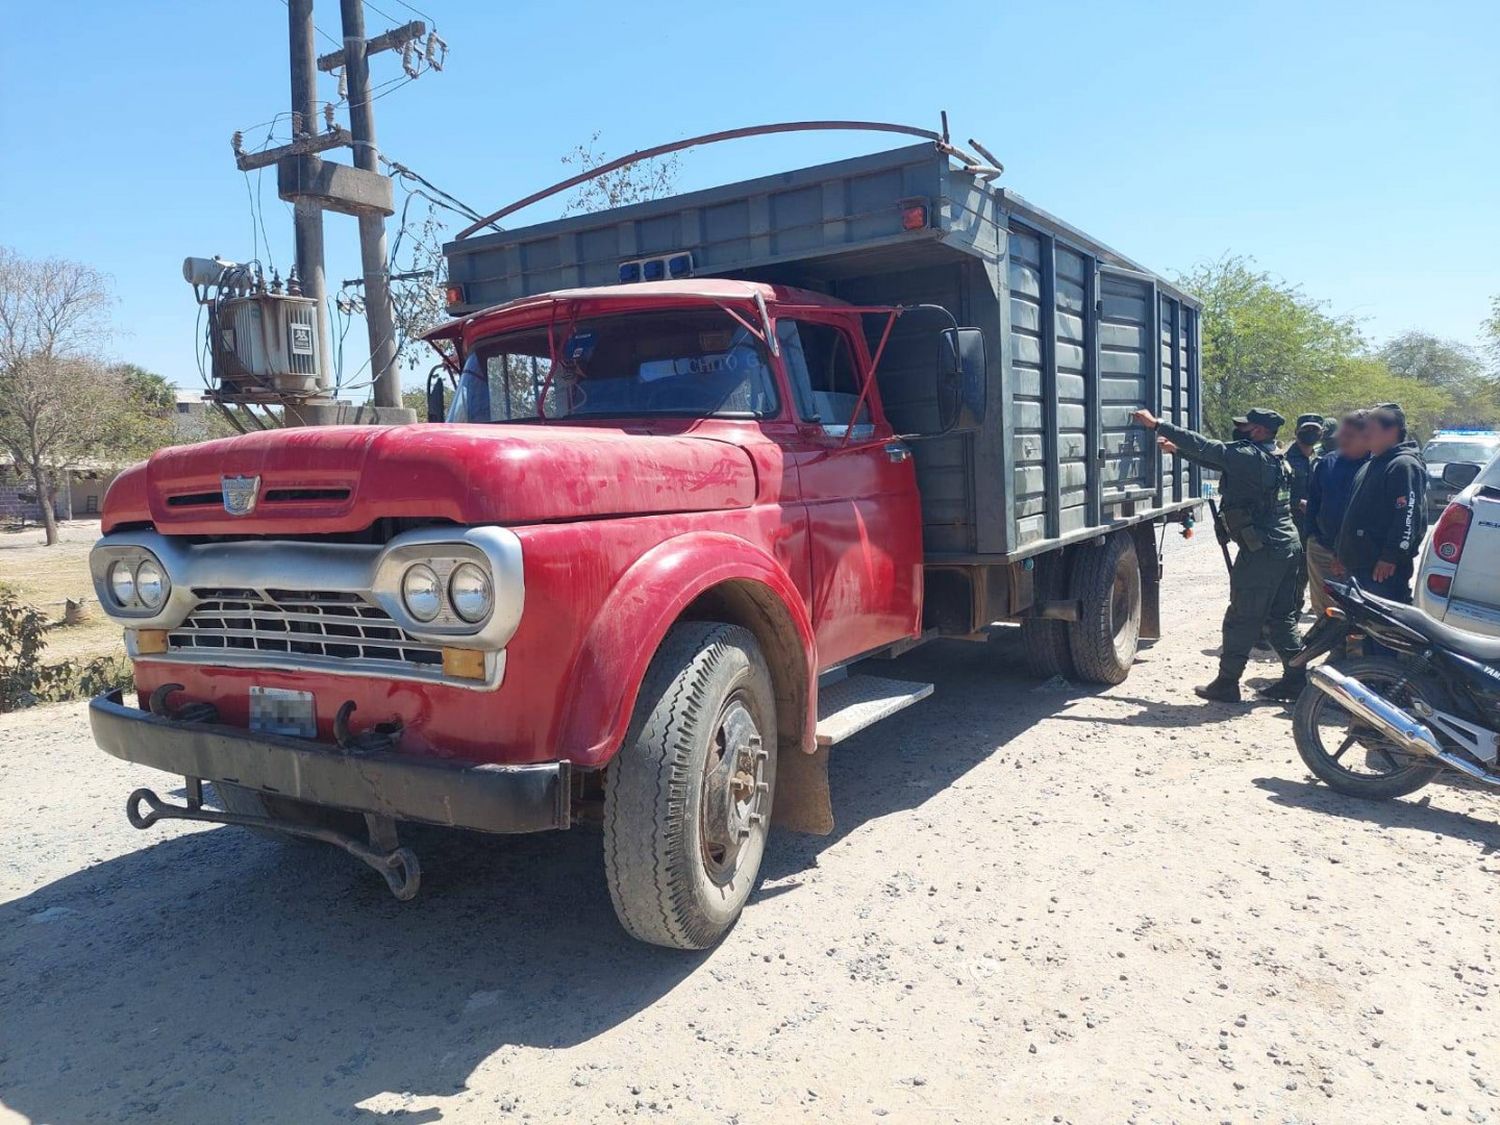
{"x": 961, "y": 380}
{"x": 437, "y": 406}
{"x": 1460, "y": 474}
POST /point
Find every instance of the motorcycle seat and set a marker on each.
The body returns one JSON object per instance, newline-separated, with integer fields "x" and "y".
{"x": 1473, "y": 645}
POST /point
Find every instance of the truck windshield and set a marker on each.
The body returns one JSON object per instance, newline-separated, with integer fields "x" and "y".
{"x": 1442, "y": 452}
{"x": 682, "y": 362}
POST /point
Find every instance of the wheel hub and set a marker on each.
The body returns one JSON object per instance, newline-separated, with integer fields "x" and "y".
{"x": 734, "y": 788}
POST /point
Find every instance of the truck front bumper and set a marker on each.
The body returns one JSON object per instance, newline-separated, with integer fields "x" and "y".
{"x": 486, "y": 798}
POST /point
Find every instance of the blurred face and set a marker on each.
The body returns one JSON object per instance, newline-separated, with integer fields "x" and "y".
{"x": 1381, "y": 435}
{"x": 1352, "y": 442}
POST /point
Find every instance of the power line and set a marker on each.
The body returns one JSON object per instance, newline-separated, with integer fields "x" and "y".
{"x": 336, "y": 42}
{"x": 432, "y": 23}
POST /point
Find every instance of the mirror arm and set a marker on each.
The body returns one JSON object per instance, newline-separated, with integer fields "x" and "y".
{"x": 864, "y": 391}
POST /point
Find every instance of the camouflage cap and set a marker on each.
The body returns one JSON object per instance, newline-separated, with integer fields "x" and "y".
{"x": 1309, "y": 421}
{"x": 1261, "y": 416}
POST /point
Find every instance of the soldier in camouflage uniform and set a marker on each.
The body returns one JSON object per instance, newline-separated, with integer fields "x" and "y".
{"x": 1255, "y": 494}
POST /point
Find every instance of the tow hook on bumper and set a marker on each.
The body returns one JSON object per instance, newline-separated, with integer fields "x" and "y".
{"x": 398, "y": 867}
{"x": 384, "y": 786}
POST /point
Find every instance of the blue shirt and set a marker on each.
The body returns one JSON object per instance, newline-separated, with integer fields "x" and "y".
{"x": 1330, "y": 484}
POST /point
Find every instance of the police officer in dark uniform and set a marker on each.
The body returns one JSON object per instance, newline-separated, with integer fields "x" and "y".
{"x": 1300, "y": 456}
{"x": 1256, "y": 490}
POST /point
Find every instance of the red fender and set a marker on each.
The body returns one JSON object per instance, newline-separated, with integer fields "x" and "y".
{"x": 631, "y": 624}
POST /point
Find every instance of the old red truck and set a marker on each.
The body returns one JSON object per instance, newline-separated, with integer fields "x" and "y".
{"x": 705, "y": 459}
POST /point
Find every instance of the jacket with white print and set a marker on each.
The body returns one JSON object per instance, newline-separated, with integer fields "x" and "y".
{"x": 1386, "y": 518}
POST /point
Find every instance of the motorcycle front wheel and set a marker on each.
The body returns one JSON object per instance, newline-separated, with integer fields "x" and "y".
{"x": 1345, "y": 752}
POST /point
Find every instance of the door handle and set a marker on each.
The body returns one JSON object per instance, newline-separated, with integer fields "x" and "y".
{"x": 897, "y": 452}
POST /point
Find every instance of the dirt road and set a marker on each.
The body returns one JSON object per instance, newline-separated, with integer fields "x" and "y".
{"x": 1040, "y": 904}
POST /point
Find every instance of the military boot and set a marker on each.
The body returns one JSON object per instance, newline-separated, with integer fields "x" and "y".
{"x": 1286, "y": 689}
{"x": 1223, "y": 689}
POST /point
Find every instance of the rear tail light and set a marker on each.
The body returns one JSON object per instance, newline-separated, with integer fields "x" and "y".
{"x": 1439, "y": 584}
{"x": 1451, "y": 531}
{"x": 913, "y": 215}
{"x": 455, "y": 294}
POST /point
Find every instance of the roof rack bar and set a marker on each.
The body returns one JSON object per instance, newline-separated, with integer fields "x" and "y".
{"x": 939, "y": 139}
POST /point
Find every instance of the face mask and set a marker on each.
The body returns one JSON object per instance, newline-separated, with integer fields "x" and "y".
{"x": 1241, "y": 434}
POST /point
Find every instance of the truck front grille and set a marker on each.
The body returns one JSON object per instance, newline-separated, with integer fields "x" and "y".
{"x": 293, "y": 628}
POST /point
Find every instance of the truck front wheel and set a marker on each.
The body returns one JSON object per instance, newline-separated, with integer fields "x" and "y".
{"x": 687, "y": 800}
{"x": 1107, "y": 582}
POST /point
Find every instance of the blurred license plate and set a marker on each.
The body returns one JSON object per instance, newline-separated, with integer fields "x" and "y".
{"x": 278, "y": 711}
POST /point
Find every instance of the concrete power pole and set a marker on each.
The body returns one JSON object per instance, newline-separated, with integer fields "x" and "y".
{"x": 380, "y": 317}
{"x": 314, "y": 185}
{"x": 307, "y": 214}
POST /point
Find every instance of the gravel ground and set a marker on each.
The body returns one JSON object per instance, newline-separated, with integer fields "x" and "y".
{"x": 1041, "y": 903}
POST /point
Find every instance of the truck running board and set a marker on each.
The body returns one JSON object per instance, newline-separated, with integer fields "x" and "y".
{"x": 852, "y": 704}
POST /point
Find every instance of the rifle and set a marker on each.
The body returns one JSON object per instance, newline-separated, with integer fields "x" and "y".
{"x": 1221, "y": 533}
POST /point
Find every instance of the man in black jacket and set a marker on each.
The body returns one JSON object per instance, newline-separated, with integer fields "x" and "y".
{"x": 1384, "y": 524}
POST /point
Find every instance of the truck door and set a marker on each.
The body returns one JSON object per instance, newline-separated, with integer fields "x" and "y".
{"x": 1129, "y": 362}
{"x": 864, "y": 518}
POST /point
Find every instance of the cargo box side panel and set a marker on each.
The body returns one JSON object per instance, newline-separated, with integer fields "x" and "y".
{"x": 1030, "y": 410}
{"x": 1128, "y": 361}
{"x": 1173, "y": 482}
{"x": 946, "y": 472}
{"x": 731, "y": 230}
{"x": 1071, "y": 354}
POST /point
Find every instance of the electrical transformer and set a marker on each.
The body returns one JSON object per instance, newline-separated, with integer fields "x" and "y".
{"x": 263, "y": 343}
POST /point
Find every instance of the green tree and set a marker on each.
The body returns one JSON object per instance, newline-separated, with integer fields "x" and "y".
{"x": 1489, "y": 331}
{"x": 1449, "y": 367}
{"x": 1265, "y": 342}
{"x": 146, "y": 414}
{"x": 58, "y": 402}
{"x": 1361, "y": 381}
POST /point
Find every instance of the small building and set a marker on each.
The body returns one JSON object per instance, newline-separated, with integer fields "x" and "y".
{"x": 78, "y": 491}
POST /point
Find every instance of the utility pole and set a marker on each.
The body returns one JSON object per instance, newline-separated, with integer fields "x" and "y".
{"x": 307, "y": 214}
{"x": 314, "y": 185}
{"x": 380, "y": 318}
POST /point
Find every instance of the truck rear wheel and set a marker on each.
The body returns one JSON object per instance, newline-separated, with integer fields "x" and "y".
{"x": 1107, "y": 582}
{"x": 1044, "y": 640}
{"x": 687, "y": 800}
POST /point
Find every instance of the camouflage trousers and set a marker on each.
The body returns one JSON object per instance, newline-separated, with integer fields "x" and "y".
{"x": 1263, "y": 596}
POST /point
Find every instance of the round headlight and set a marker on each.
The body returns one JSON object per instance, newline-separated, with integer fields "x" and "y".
{"x": 469, "y": 591}
{"x": 421, "y": 592}
{"x": 121, "y": 582}
{"x": 150, "y": 584}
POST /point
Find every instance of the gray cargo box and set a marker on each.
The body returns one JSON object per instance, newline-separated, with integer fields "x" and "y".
{"x": 1078, "y": 335}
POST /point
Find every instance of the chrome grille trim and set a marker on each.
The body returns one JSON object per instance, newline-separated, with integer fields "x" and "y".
{"x": 301, "y": 628}
{"x": 331, "y": 607}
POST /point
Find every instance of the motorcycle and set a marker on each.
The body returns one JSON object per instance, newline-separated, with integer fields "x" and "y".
{"x": 1425, "y": 699}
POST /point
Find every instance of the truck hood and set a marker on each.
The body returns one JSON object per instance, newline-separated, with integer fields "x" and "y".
{"x": 342, "y": 478}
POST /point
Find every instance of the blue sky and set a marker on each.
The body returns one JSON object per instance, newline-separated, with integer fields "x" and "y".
{"x": 1353, "y": 148}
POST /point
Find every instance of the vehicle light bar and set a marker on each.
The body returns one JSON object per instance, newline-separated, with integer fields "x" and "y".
{"x": 657, "y": 268}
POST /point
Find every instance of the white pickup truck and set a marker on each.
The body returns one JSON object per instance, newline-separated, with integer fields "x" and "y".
{"x": 1458, "y": 581}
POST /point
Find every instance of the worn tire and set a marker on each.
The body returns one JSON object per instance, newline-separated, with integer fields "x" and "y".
{"x": 1107, "y": 584}
{"x": 1374, "y": 670}
{"x": 251, "y": 802}
{"x": 1044, "y": 640}
{"x": 656, "y": 858}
